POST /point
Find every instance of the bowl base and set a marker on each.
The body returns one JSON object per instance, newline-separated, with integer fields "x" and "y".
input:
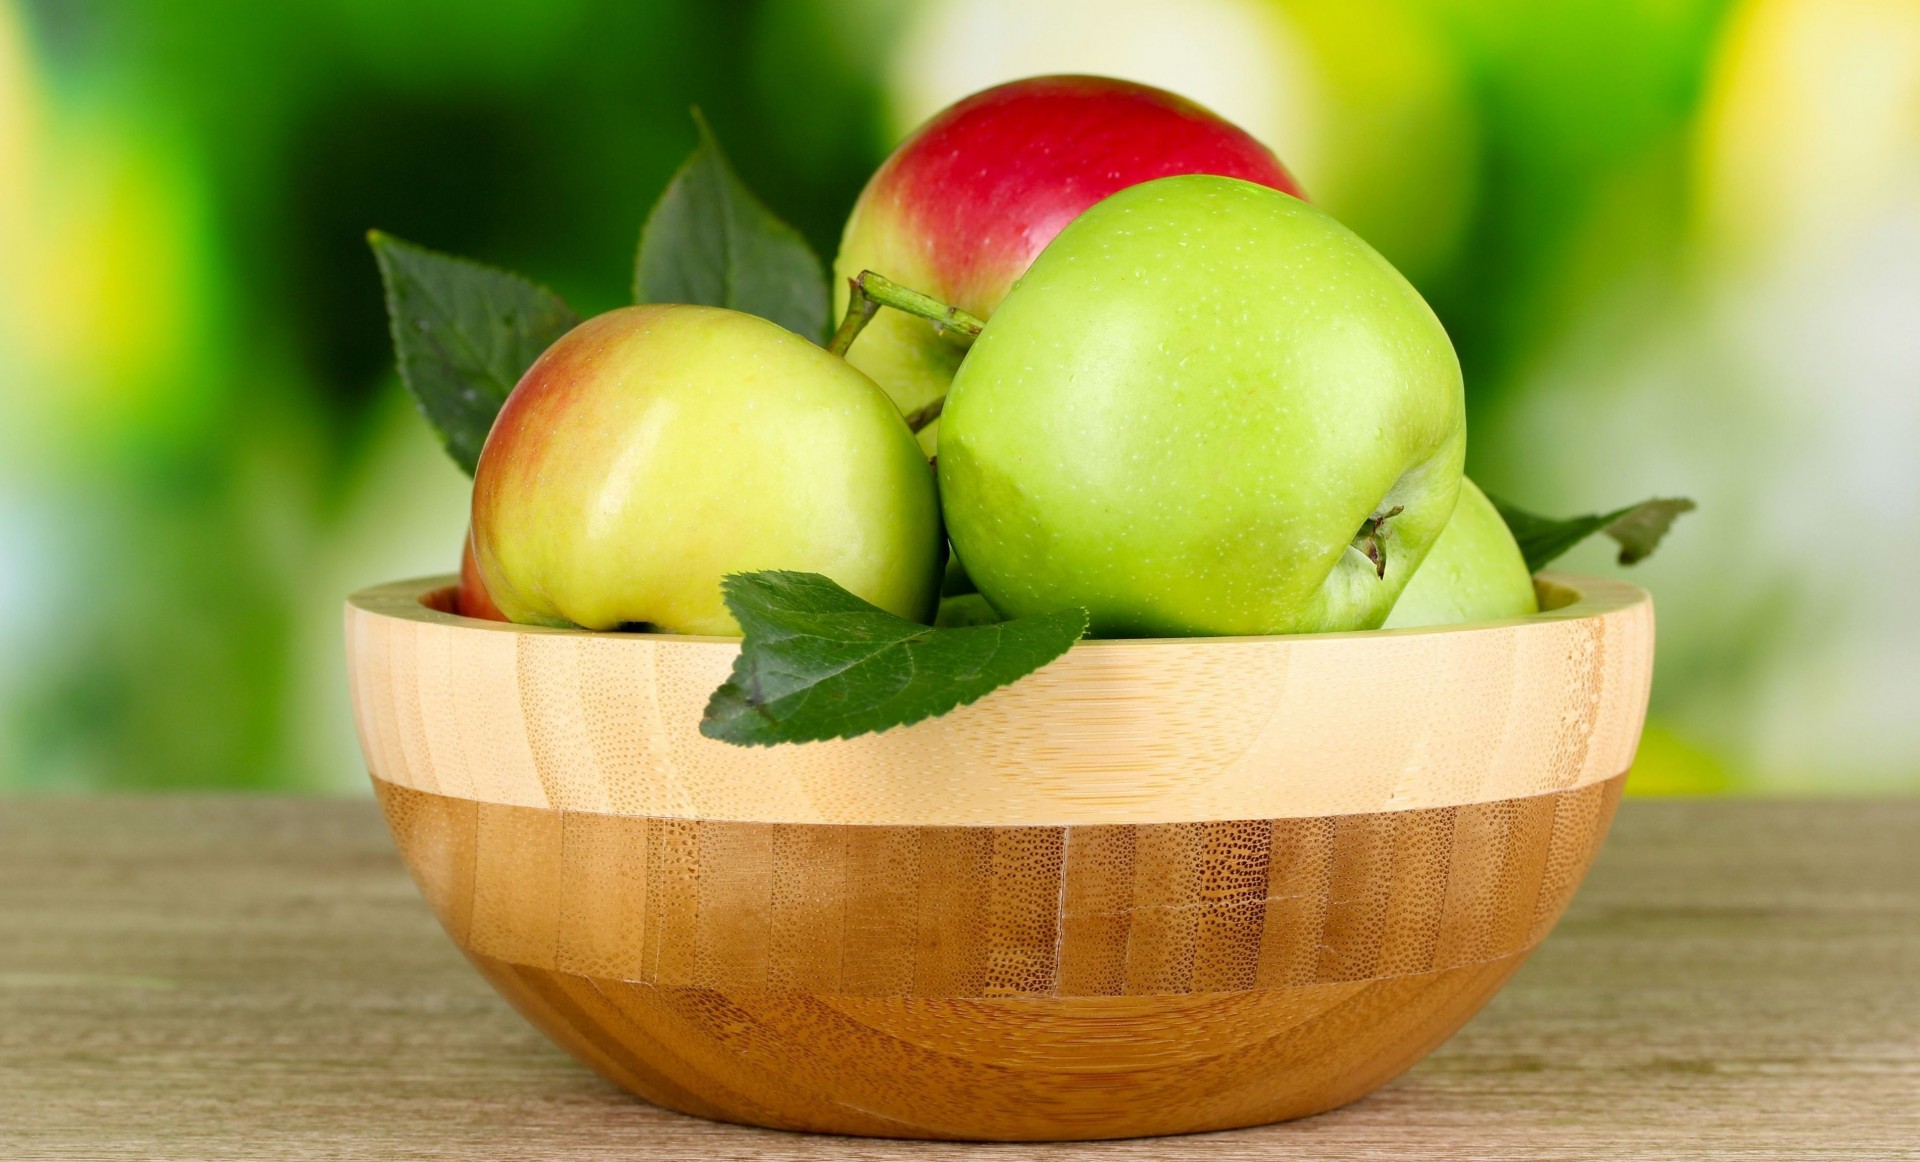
{"x": 1000, "y": 1069}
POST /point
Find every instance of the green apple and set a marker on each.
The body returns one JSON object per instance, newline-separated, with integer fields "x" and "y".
{"x": 1207, "y": 408}
{"x": 653, "y": 450}
{"x": 966, "y": 609}
{"x": 1474, "y": 573}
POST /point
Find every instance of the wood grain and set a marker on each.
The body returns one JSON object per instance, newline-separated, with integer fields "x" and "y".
{"x": 1218, "y": 881}
{"x": 1033, "y": 983}
{"x": 1012, "y": 1069}
{"x": 211, "y": 979}
{"x": 1115, "y": 732}
{"x": 1141, "y": 910}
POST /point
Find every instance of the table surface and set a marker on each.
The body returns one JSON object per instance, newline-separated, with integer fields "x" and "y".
{"x": 211, "y": 978}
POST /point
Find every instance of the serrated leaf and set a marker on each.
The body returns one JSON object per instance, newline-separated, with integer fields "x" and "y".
{"x": 1637, "y": 528}
{"x": 708, "y": 241}
{"x": 817, "y": 662}
{"x": 463, "y": 334}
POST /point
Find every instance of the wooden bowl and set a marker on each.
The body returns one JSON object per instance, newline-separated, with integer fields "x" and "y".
{"x": 1160, "y": 886}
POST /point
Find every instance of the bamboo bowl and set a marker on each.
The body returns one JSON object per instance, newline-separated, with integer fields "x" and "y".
{"x": 1158, "y": 887}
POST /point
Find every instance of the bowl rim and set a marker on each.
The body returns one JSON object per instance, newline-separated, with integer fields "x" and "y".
{"x": 1562, "y": 596}
{"x": 1113, "y": 731}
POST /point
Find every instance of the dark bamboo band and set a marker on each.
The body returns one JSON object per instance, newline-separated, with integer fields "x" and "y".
{"x": 973, "y": 912}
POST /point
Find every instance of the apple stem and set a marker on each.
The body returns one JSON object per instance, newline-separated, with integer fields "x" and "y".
{"x": 860, "y": 311}
{"x": 1372, "y": 538}
{"x": 868, "y": 292}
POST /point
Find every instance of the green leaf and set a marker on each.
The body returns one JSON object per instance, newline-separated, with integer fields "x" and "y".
{"x": 463, "y": 334}
{"x": 1638, "y": 528}
{"x": 818, "y": 662}
{"x": 710, "y": 242}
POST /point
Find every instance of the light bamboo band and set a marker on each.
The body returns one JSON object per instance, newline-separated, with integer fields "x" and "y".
{"x": 1115, "y": 732}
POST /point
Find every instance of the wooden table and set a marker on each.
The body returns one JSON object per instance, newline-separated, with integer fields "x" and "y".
{"x": 214, "y": 978}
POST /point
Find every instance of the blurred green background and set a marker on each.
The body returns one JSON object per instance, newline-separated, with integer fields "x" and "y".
{"x": 1677, "y": 243}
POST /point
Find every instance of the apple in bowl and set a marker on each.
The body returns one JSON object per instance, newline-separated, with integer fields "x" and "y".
{"x": 966, "y": 203}
{"x": 653, "y": 450}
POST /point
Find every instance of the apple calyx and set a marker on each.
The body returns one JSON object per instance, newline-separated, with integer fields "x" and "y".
{"x": 1371, "y": 540}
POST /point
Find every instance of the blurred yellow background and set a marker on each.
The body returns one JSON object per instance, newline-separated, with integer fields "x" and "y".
{"x": 1677, "y": 243}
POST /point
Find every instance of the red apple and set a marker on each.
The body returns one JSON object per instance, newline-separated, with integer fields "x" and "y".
{"x": 471, "y": 598}
{"x": 967, "y": 202}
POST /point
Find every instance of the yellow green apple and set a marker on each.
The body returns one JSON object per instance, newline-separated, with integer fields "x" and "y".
{"x": 653, "y": 450}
